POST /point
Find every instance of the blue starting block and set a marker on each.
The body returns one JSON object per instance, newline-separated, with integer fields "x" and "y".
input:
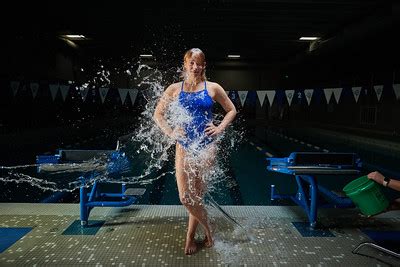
{"x": 305, "y": 166}
{"x": 114, "y": 162}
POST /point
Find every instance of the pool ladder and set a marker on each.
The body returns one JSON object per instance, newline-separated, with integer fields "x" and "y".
{"x": 373, "y": 245}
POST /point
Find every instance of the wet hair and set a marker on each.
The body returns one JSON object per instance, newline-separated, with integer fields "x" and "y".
{"x": 188, "y": 55}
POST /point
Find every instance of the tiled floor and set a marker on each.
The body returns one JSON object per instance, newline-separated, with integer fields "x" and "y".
{"x": 149, "y": 235}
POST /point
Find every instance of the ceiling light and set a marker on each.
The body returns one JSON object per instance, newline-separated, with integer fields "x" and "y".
{"x": 233, "y": 56}
{"x": 146, "y": 56}
{"x": 74, "y": 36}
{"x": 308, "y": 38}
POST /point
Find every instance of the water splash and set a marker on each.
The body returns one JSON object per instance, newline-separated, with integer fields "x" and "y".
{"x": 242, "y": 245}
{"x": 146, "y": 148}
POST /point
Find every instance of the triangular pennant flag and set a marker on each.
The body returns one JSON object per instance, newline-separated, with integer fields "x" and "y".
{"x": 308, "y": 93}
{"x": 242, "y": 96}
{"x": 336, "y": 93}
{"x": 34, "y": 89}
{"x": 378, "y": 91}
{"x": 14, "y": 87}
{"x": 64, "y": 91}
{"x": 289, "y": 96}
{"x": 83, "y": 91}
{"x": 396, "y": 89}
{"x": 122, "y": 94}
{"x": 271, "y": 96}
{"x": 328, "y": 94}
{"x": 103, "y": 93}
{"x": 54, "y": 90}
{"x": 261, "y": 96}
{"x": 356, "y": 92}
{"x": 133, "y": 94}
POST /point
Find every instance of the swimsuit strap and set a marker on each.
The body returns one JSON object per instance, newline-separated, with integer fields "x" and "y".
{"x": 183, "y": 82}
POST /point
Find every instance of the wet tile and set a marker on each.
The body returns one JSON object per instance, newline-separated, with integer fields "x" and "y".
{"x": 76, "y": 228}
{"x": 306, "y": 231}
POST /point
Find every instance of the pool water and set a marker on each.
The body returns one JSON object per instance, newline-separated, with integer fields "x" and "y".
{"x": 247, "y": 180}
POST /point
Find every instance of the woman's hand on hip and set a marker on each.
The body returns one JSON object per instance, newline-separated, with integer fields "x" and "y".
{"x": 212, "y": 130}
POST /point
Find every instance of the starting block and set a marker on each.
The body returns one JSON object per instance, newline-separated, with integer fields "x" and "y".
{"x": 305, "y": 166}
{"x": 113, "y": 161}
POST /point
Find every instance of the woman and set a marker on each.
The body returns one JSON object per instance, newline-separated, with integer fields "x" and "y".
{"x": 196, "y": 145}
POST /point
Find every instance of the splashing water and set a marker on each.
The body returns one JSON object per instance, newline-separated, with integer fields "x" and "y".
{"x": 148, "y": 151}
{"x": 240, "y": 244}
{"x": 146, "y": 148}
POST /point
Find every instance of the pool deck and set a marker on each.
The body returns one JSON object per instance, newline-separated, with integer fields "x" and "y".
{"x": 153, "y": 235}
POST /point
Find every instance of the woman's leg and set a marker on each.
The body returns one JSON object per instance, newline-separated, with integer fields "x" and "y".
{"x": 207, "y": 166}
{"x": 183, "y": 188}
{"x": 191, "y": 190}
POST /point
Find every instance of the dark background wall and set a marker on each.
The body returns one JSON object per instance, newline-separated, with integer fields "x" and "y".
{"x": 357, "y": 64}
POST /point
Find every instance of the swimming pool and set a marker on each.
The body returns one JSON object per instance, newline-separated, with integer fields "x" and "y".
{"x": 247, "y": 180}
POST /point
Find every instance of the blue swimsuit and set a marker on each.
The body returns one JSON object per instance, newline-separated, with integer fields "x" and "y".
{"x": 199, "y": 106}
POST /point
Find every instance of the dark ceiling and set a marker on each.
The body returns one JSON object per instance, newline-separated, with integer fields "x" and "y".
{"x": 260, "y": 31}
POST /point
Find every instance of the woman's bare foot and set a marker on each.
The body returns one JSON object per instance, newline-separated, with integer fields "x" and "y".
{"x": 190, "y": 246}
{"x": 208, "y": 242}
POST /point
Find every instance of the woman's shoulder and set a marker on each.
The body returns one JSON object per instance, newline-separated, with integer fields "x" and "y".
{"x": 214, "y": 90}
{"x": 214, "y": 86}
{"x": 172, "y": 89}
{"x": 175, "y": 86}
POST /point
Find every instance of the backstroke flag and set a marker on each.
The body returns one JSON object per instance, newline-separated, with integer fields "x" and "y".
{"x": 337, "y": 93}
{"x": 378, "y": 91}
{"x": 64, "y": 91}
{"x": 356, "y": 92}
{"x": 289, "y": 96}
{"x": 53, "y": 90}
{"x": 34, "y": 89}
{"x": 122, "y": 94}
{"x": 14, "y": 87}
{"x": 261, "y": 96}
{"x": 271, "y": 96}
{"x": 242, "y": 96}
{"x": 308, "y": 93}
{"x": 103, "y": 93}
{"x": 133, "y": 94}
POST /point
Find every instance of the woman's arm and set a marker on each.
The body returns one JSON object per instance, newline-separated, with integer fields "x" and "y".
{"x": 159, "y": 113}
{"x": 222, "y": 98}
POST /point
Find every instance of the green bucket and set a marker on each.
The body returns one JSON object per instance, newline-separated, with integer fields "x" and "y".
{"x": 366, "y": 195}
